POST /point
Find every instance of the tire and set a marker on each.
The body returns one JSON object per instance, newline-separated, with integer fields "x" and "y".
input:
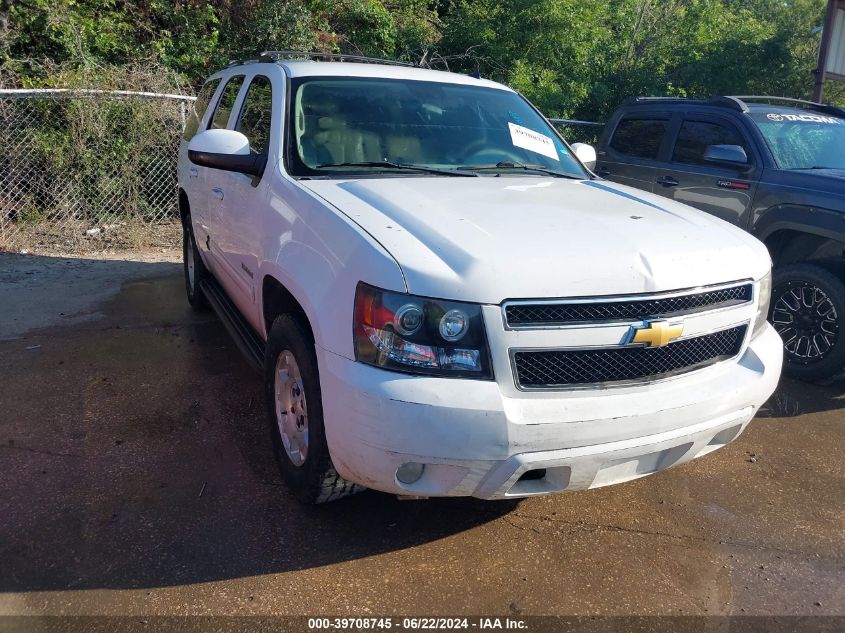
{"x": 807, "y": 310}
{"x": 295, "y": 411}
{"x": 195, "y": 271}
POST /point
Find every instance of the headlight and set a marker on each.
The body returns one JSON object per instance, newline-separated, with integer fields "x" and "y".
{"x": 419, "y": 335}
{"x": 763, "y": 289}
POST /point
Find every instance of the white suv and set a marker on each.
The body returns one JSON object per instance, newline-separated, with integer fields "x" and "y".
{"x": 444, "y": 300}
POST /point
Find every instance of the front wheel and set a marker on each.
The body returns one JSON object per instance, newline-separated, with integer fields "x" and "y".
{"x": 295, "y": 410}
{"x": 808, "y": 305}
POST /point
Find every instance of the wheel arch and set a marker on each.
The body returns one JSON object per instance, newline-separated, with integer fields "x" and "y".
{"x": 276, "y": 299}
{"x": 794, "y": 244}
{"x": 801, "y": 233}
{"x": 184, "y": 205}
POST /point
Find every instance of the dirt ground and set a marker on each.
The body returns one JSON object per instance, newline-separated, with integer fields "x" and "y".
{"x": 138, "y": 480}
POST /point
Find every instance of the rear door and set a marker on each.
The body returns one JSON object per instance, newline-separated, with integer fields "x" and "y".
{"x": 634, "y": 149}
{"x": 723, "y": 190}
{"x": 244, "y": 196}
{"x": 213, "y": 178}
{"x": 192, "y": 177}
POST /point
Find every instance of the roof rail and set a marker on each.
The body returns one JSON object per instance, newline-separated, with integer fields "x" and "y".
{"x": 275, "y": 56}
{"x": 797, "y": 103}
{"x": 726, "y": 102}
{"x": 741, "y": 103}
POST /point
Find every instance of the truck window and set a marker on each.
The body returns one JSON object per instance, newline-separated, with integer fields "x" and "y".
{"x": 339, "y": 120}
{"x": 227, "y": 101}
{"x": 639, "y": 137}
{"x": 197, "y": 109}
{"x": 803, "y": 140}
{"x": 256, "y": 115}
{"x": 696, "y": 136}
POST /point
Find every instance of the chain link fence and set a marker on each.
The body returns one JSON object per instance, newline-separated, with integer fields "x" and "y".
{"x": 93, "y": 169}
{"x": 82, "y": 169}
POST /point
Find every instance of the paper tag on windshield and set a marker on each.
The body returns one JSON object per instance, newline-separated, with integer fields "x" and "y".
{"x": 532, "y": 141}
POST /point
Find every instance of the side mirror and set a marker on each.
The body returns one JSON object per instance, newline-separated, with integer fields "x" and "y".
{"x": 729, "y": 155}
{"x": 227, "y": 150}
{"x": 586, "y": 154}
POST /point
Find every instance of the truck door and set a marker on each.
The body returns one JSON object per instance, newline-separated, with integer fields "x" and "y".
{"x": 191, "y": 176}
{"x": 213, "y": 179}
{"x": 726, "y": 190}
{"x": 244, "y": 198}
{"x": 631, "y": 155}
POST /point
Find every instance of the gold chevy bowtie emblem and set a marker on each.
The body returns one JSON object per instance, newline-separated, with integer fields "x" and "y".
{"x": 657, "y": 333}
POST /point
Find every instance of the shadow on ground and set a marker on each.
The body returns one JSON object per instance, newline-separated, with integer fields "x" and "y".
{"x": 136, "y": 452}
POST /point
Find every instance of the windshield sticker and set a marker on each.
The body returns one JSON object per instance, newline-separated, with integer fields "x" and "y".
{"x": 532, "y": 141}
{"x": 807, "y": 118}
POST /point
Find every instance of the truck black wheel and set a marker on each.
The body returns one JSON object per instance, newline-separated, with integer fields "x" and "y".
{"x": 295, "y": 409}
{"x": 808, "y": 305}
{"x": 195, "y": 270}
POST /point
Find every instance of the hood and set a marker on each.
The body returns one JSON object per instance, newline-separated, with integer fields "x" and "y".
{"x": 837, "y": 174}
{"x": 822, "y": 180}
{"x": 488, "y": 239}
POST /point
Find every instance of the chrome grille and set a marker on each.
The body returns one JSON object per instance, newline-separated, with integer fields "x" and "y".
{"x": 551, "y": 314}
{"x": 562, "y": 368}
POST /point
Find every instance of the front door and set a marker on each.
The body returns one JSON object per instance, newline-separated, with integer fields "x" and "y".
{"x": 724, "y": 190}
{"x": 242, "y": 198}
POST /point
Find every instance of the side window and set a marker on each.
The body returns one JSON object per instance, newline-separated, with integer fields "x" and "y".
{"x": 639, "y": 137}
{"x": 256, "y": 115}
{"x": 226, "y": 103}
{"x": 197, "y": 109}
{"x": 696, "y": 136}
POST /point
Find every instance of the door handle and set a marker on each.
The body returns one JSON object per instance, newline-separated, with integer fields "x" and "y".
{"x": 217, "y": 192}
{"x": 193, "y": 172}
{"x": 667, "y": 181}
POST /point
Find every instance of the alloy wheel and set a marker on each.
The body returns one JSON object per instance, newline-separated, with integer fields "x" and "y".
{"x": 807, "y": 321}
{"x": 291, "y": 408}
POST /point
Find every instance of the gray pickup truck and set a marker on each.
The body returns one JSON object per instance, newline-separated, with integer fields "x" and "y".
{"x": 773, "y": 166}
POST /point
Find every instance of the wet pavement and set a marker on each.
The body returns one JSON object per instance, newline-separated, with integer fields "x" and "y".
{"x": 138, "y": 479}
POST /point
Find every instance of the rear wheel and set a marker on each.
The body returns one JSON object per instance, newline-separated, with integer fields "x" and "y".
{"x": 195, "y": 271}
{"x": 808, "y": 305}
{"x": 295, "y": 410}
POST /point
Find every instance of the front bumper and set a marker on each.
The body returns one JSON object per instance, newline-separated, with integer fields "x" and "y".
{"x": 476, "y": 440}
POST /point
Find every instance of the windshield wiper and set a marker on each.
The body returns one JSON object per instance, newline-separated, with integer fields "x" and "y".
{"x": 508, "y": 165}
{"x": 814, "y": 167}
{"x": 392, "y": 165}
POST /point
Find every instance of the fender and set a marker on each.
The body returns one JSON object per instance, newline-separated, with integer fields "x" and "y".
{"x": 319, "y": 255}
{"x": 827, "y": 223}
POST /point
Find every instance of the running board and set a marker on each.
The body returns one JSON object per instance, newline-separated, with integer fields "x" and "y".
{"x": 248, "y": 342}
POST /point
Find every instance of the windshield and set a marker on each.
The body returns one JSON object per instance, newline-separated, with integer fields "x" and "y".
{"x": 803, "y": 141}
{"x": 344, "y": 125}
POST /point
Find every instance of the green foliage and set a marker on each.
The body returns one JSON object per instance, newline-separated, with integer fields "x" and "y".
{"x": 581, "y": 58}
{"x": 571, "y": 57}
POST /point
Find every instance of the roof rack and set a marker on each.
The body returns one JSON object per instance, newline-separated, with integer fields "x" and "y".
{"x": 276, "y": 56}
{"x": 740, "y": 103}
{"x": 797, "y": 103}
{"x": 726, "y": 102}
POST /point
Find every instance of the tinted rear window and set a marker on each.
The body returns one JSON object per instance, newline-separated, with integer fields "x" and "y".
{"x": 197, "y": 109}
{"x": 639, "y": 137}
